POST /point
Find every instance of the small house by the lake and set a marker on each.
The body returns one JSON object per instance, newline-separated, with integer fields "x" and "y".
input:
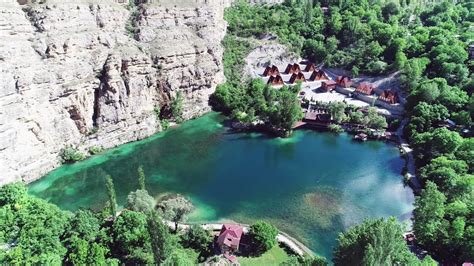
{"x": 229, "y": 238}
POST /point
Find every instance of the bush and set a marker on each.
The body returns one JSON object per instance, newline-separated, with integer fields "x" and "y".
{"x": 177, "y": 107}
{"x": 335, "y": 128}
{"x": 198, "y": 239}
{"x": 140, "y": 201}
{"x": 263, "y": 236}
{"x": 96, "y": 150}
{"x": 71, "y": 155}
{"x": 157, "y": 112}
{"x": 165, "y": 124}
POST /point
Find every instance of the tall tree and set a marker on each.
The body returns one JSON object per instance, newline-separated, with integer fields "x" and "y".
{"x": 161, "y": 242}
{"x": 176, "y": 209}
{"x": 428, "y": 215}
{"x": 132, "y": 239}
{"x": 109, "y": 183}
{"x": 141, "y": 178}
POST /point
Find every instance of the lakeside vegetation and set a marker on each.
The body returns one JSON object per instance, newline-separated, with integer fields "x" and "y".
{"x": 33, "y": 231}
{"x": 435, "y": 73}
{"x": 427, "y": 43}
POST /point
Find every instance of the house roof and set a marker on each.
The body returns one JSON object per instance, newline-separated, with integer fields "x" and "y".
{"x": 344, "y": 81}
{"x": 365, "y": 88}
{"x": 329, "y": 82}
{"x": 296, "y": 77}
{"x": 389, "y": 96}
{"x": 230, "y": 235}
{"x": 318, "y": 74}
{"x": 292, "y": 68}
{"x": 275, "y": 80}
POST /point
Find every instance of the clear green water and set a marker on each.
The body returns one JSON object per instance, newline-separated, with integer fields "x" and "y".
{"x": 312, "y": 185}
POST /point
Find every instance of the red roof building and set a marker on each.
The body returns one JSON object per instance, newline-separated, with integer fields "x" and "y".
{"x": 291, "y": 69}
{"x": 297, "y": 77}
{"x": 344, "y": 81}
{"x": 275, "y": 80}
{"x": 318, "y": 75}
{"x": 328, "y": 85}
{"x": 310, "y": 67}
{"x": 229, "y": 237}
{"x": 365, "y": 88}
{"x": 389, "y": 96}
{"x": 271, "y": 71}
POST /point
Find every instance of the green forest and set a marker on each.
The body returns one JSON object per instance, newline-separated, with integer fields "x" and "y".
{"x": 427, "y": 43}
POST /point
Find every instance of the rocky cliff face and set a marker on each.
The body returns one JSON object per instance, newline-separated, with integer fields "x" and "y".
{"x": 88, "y": 73}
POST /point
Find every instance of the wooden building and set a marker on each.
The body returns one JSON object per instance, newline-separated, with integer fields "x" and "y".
{"x": 389, "y": 96}
{"x": 297, "y": 77}
{"x": 317, "y": 118}
{"x": 271, "y": 71}
{"x": 318, "y": 75}
{"x": 365, "y": 88}
{"x": 344, "y": 81}
{"x": 275, "y": 80}
{"x": 292, "y": 69}
{"x": 310, "y": 67}
{"x": 328, "y": 85}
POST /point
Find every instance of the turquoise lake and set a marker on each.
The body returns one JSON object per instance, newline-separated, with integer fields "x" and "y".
{"x": 312, "y": 185}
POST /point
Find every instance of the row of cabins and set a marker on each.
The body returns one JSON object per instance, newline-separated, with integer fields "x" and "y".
{"x": 296, "y": 74}
{"x": 327, "y": 85}
{"x": 290, "y": 69}
{"x": 295, "y": 77}
{"x": 387, "y": 96}
{"x": 364, "y": 88}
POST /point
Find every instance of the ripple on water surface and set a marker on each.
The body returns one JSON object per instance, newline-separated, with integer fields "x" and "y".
{"x": 312, "y": 185}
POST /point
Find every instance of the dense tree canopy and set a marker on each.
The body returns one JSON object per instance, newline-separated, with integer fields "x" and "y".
{"x": 264, "y": 236}
{"x": 374, "y": 242}
{"x": 33, "y": 231}
{"x": 253, "y": 100}
{"x": 426, "y": 41}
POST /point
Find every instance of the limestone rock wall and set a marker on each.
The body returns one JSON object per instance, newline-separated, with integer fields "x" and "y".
{"x": 89, "y": 73}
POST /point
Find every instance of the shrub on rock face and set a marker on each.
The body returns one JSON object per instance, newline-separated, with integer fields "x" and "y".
{"x": 263, "y": 236}
{"x": 70, "y": 155}
{"x": 96, "y": 150}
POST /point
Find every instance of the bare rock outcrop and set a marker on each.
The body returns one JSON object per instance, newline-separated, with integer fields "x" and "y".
{"x": 89, "y": 73}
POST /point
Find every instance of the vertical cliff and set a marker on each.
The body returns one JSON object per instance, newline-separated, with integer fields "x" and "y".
{"x": 89, "y": 73}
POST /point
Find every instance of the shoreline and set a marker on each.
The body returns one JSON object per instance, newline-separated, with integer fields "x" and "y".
{"x": 292, "y": 243}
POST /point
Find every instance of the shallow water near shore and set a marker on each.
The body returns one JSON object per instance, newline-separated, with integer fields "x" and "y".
{"x": 312, "y": 185}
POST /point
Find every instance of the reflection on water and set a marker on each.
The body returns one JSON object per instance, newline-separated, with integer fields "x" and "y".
{"x": 312, "y": 185}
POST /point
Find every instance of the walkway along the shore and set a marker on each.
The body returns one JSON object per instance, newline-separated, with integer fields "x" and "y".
{"x": 293, "y": 244}
{"x": 410, "y": 164}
